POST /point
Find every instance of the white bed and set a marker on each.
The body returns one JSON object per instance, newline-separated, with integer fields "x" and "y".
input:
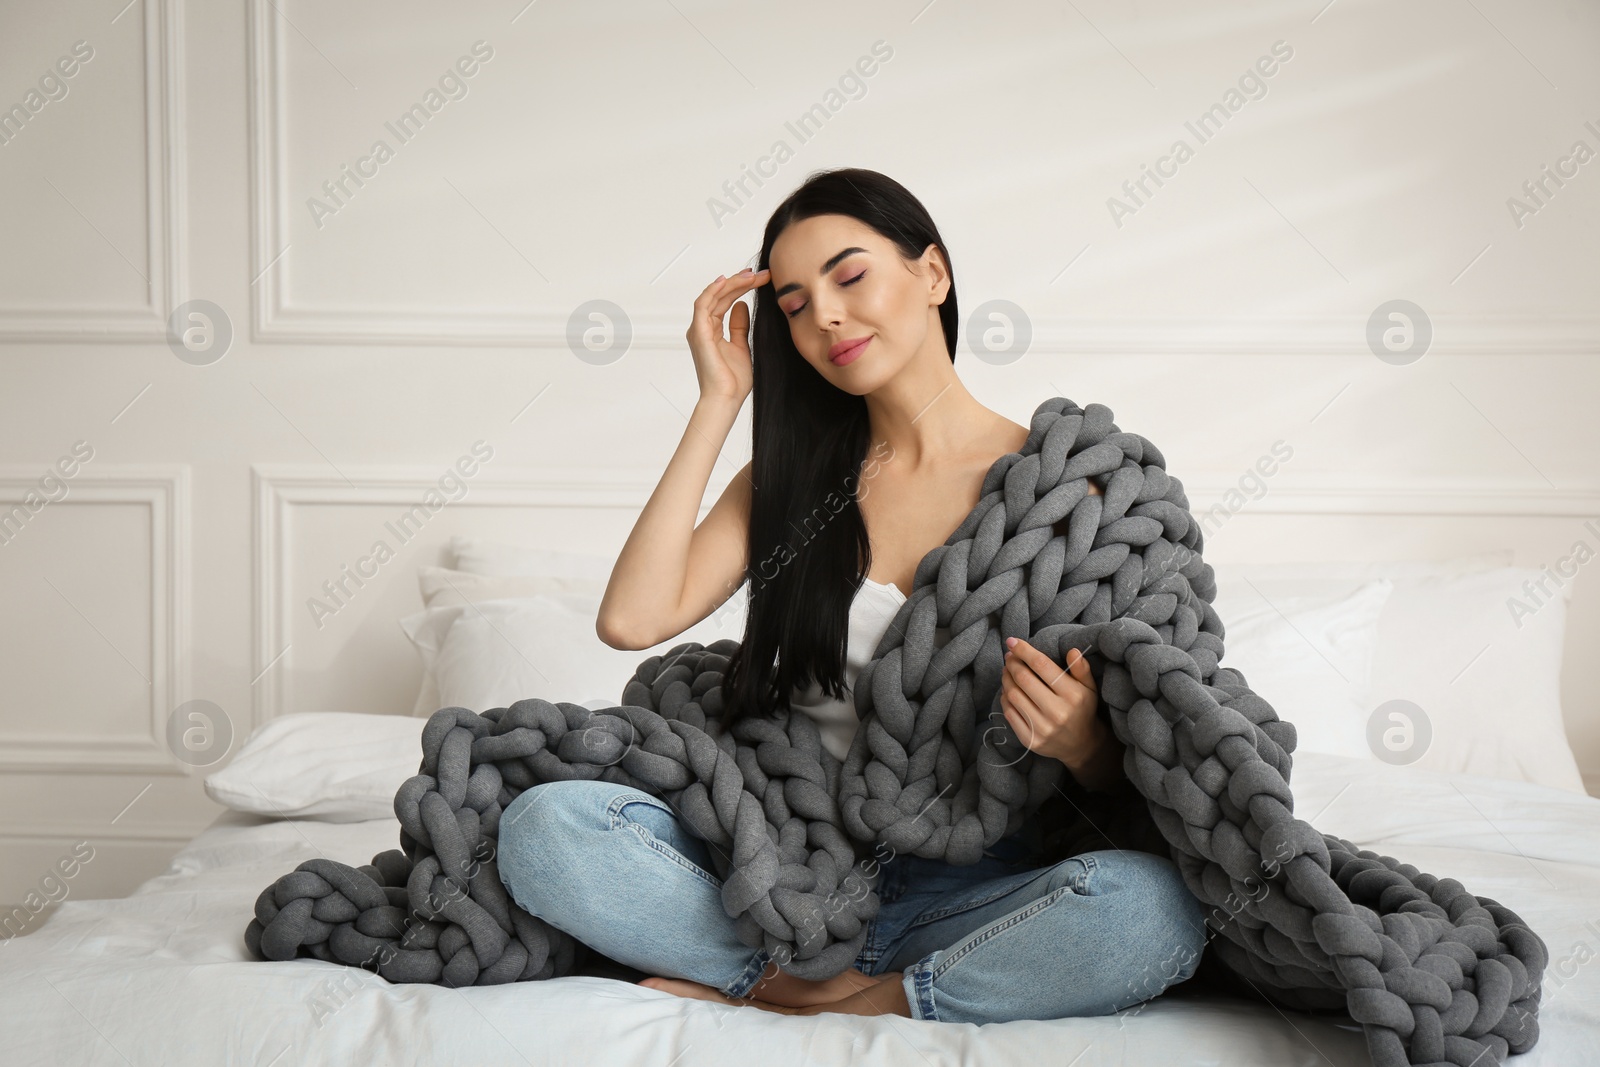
{"x": 163, "y": 976}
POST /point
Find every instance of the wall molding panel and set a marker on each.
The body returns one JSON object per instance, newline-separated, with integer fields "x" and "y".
{"x": 164, "y": 492}
{"x": 275, "y": 318}
{"x": 165, "y": 223}
{"x": 1417, "y": 501}
{"x": 278, "y": 488}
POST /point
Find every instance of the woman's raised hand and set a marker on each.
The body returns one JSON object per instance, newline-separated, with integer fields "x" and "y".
{"x": 723, "y": 365}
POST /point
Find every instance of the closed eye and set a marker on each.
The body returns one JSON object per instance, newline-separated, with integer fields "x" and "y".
{"x": 850, "y": 281}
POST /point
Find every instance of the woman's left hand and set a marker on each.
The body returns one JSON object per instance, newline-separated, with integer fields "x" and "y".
{"x": 1051, "y": 710}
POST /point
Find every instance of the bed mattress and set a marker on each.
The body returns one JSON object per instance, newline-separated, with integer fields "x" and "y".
{"x": 163, "y": 977}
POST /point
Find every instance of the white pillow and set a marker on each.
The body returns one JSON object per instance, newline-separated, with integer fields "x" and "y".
{"x": 1310, "y": 657}
{"x": 447, "y": 594}
{"x": 1502, "y": 716}
{"x": 486, "y": 570}
{"x": 477, "y": 556}
{"x": 1308, "y": 576}
{"x": 1491, "y": 690}
{"x": 442, "y": 587}
{"x": 495, "y": 652}
{"x": 504, "y": 650}
{"x": 337, "y": 766}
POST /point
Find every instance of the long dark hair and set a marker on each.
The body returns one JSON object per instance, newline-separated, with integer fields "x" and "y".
{"x": 808, "y": 547}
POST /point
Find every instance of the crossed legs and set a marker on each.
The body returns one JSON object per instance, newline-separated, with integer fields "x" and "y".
{"x": 615, "y": 868}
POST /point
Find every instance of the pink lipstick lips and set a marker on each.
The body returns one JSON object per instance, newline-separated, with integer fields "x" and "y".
{"x": 848, "y": 351}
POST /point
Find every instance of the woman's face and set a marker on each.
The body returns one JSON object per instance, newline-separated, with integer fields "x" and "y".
{"x": 839, "y": 281}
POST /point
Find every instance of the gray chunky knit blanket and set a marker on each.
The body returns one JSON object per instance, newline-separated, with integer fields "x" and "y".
{"x": 1434, "y": 974}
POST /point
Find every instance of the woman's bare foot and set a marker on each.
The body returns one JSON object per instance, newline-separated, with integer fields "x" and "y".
{"x": 882, "y": 995}
{"x": 682, "y": 987}
{"x": 781, "y": 988}
{"x": 784, "y": 988}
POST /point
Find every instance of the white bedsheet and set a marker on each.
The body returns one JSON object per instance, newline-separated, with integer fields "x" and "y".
{"x": 163, "y": 977}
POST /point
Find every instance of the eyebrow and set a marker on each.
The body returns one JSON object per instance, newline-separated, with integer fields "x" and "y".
{"x": 834, "y": 261}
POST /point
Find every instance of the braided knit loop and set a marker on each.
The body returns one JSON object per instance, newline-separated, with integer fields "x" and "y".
{"x": 1433, "y": 974}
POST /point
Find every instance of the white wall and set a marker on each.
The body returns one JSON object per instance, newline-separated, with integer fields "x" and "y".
{"x": 1224, "y": 309}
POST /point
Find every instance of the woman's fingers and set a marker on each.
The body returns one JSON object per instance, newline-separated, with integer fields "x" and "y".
{"x": 1024, "y": 657}
{"x": 711, "y": 309}
{"x": 1078, "y": 667}
{"x": 1032, "y": 685}
{"x": 739, "y": 326}
{"x": 724, "y": 289}
{"x": 724, "y": 293}
{"x": 1023, "y": 716}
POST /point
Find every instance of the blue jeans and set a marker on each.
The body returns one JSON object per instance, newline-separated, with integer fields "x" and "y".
{"x": 1090, "y": 935}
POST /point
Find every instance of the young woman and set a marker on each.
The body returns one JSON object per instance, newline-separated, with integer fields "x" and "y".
{"x": 856, "y": 401}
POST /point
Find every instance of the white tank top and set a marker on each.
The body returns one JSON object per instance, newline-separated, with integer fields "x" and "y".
{"x": 871, "y": 612}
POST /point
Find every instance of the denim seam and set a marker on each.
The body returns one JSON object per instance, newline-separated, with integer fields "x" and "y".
{"x": 741, "y": 986}
{"x": 955, "y": 909}
{"x": 672, "y": 854}
{"x": 740, "y": 989}
{"x": 1038, "y": 906}
{"x": 622, "y": 800}
{"x": 920, "y": 995}
{"x": 614, "y": 813}
{"x": 870, "y": 949}
{"x": 1077, "y": 887}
